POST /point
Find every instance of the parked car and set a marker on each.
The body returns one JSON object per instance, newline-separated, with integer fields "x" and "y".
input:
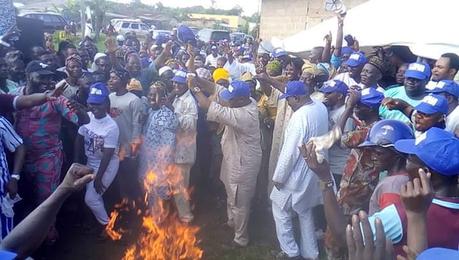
{"x": 210, "y": 35}
{"x": 165, "y": 33}
{"x": 139, "y": 28}
{"x": 52, "y": 21}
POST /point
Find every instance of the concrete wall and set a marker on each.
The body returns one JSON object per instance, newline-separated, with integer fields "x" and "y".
{"x": 283, "y": 18}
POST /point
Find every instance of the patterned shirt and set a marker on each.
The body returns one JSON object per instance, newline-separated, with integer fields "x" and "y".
{"x": 360, "y": 177}
{"x": 9, "y": 140}
{"x": 40, "y": 125}
{"x": 158, "y": 148}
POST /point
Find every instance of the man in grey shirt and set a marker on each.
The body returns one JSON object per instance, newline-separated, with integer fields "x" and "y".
{"x": 127, "y": 110}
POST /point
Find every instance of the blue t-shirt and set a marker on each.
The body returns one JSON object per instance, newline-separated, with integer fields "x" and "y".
{"x": 399, "y": 93}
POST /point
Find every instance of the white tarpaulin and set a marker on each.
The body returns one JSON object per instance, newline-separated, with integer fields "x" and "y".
{"x": 427, "y": 27}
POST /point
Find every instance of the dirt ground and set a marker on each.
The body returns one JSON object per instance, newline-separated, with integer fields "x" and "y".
{"x": 214, "y": 236}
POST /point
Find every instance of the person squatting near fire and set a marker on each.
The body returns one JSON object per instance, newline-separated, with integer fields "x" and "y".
{"x": 379, "y": 132}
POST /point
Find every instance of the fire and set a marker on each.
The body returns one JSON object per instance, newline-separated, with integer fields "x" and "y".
{"x": 163, "y": 235}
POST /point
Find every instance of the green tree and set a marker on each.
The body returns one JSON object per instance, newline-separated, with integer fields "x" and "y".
{"x": 98, "y": 7}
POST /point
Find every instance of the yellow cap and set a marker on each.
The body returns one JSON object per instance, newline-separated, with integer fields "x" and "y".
{"x": 221, "y": 74}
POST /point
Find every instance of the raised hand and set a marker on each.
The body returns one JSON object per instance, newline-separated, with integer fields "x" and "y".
{"x": 417, "y": 194}
{"x": 363, "y": 247}
{"x": 77, "y": 177}
{"x": 322, "y": 170}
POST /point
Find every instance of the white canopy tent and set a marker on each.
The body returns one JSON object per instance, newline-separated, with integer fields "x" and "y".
{"x": 427, "y": 27}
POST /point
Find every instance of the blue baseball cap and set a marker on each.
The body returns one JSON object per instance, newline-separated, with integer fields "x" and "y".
{"x": 237, "y": 88}
{"x": 356, "y": 59}
{"x": 294, "y": 88}
{"x": 180, "y": 77}
{"x": 98, "y": 93}
{"x": 278, "y": 52}
{"x": 418, "y": 70}
{"x": 437, "y": 148}
{"x": 332, "y": 86}
{"x": 445, "y": 86}
{"x": 371, "y": 97}
{"x": 432, "y": 104}
{"x": 439, "y": 253}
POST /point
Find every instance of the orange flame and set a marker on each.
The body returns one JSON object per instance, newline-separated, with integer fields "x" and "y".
{"x": 163, "y": 235}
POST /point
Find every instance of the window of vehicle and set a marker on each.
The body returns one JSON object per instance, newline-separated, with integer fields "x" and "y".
{"x": 218, "y": 36}
{"x": 135, "y": 26}
{"x": 144, "y": 27}
{"x": 125, "y": 25}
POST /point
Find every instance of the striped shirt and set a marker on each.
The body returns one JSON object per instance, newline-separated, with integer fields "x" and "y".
{"x": 9, "y": 140}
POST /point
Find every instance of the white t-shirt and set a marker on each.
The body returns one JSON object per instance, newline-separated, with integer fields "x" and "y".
{"x": 99, "y": 134}
{"x": 346, "y": 78}
{"x": 211, "y": 60}
{"x": 452, "y": 120}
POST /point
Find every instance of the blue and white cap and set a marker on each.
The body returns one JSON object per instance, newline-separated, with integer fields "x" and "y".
{"x": 237, "y": 88}
{"x": 418, "y": 70}
{"x": 278, "y": 52}
{"x": 294, "y": 88}
{"x": 444, "y": 86}
{"x": 371, "y": 97}
{"x": 432, "y": 104}
{"x": 356, "y": 59}
{"x": 180, "y": 77}
{"x": 437, "y": 148}
{"x": 98, "y": 93}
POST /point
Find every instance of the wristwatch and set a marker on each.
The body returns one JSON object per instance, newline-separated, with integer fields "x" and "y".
{"x": 16, "y": 176}
{"x": 326, "y": 184}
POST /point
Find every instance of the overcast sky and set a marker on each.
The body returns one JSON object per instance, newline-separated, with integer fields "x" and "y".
{"x": 249, "y": 6}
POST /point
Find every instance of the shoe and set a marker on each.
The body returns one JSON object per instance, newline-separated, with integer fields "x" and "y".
{"x": 283, "y": 256}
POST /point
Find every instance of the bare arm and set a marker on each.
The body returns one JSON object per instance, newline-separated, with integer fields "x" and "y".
{"x": 19, "y": 157}
{"x": 398, "y": 104}
{"x": 352, "y": 99}
{"x": 326, "y": 54}
{"x": 78, "y": 147}
{"x": 205, "y": 85}
{"x": 266, "y": 79}
{"x": 30, "y": 233}
{"x": 165, "y": 54}
{"x": 339, "y": 36}
{"x": 334, "y": 215}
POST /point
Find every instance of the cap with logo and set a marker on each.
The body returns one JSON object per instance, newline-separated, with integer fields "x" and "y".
{"x": 278, "y": 52}
{"x": 437, "y": 148}
{"x": 445, "y": 86}
{"x": 371, "y": 97}
{"x": 38, "y": 67}
{"x": 418, "y": 70}
{"x": 98, "y": 93}
{"x": 236, "y": 89}
{"x": 386, "y": 132}
{"x": 356, "y": 59}
{"x": 432, "y": 104}
{"x": 332, "y": 86}
{"x": 180, "y": 77}
{"x": 294, "y": 88}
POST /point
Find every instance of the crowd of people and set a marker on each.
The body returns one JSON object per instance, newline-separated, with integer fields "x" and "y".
{"x": 370, "y": 135}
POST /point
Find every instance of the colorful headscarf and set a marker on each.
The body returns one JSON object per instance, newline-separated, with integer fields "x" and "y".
{"x": 121, "y": 73}
{"x": 134, "y": 85}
